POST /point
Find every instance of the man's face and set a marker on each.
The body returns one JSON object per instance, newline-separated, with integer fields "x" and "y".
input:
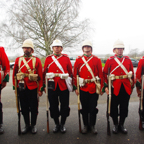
{"x": 118, "y": 51}
{"x": 87, "y": 49}
{"x": 57, "y": 49}
{"x": 27, "y": 51}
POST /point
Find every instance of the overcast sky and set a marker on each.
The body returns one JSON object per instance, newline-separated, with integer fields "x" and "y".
{"x": 112, "y": 20}
{"x": 115, "y": 19}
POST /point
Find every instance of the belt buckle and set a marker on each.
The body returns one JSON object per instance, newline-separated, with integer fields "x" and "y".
{"x": 56, "y": 75}
{"x": 89, "y": 80}
{"x": 121, "y": 77}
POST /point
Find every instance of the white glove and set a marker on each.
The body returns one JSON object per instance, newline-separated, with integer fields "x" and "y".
{"x": 81, "y": 82}
{"x": 112, "y": 77}
{"x": 50, "y": 75}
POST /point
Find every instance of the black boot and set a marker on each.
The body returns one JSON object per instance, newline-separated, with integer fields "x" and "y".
{"x": 62, "y": 129}
{"x": 85, "y": 129}
{"x": 56, "y": 129}
{"x": 1, "y": 121}
{"x": 33, "y": 119}
{"x": 93, "y": 122}
{"x": 1, "y": 117}
{"x": 57, "y": 126}
{"x": 115, "y": 129}
{"x": 1, "y": 129}
{"x": 27, "y": 124}
{"x": 121, "y": 125}
{"x": 26, "y": 129}
{"x": 93, "y": 129}
{"x": 122, "y": 129}
{"x": 33, "y": 129}
{"x": 115, "y": 122}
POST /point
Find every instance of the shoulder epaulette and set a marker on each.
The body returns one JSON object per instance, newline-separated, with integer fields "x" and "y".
{"x": 95, "y": 56}
{"x": 127, "y": 57}
{"x": 1, "y": 47}
{"x": 49, "y": 55}
{"x": 111, "y": 57}
{"x": 65, "y": 55}
{"x": 79, "y": 57}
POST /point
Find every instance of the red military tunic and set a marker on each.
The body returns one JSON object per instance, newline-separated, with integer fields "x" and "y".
{"x": 64, "y": 60}
{"x": 95, "y": 65}
{"x": 38, "y": 70}
{"x": 139, "y": 72}
{"x": 111, "y": 63}
{"x": 4, "y": 62}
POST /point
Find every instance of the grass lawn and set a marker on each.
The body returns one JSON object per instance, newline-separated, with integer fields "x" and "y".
{"x": 103, "y": 64}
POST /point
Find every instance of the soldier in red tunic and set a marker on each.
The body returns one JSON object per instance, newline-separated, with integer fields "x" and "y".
{"x": 89, "y": 68}
{"x": 139, "y": 73}
{"x": 58, "y": 70}
{"x": 28, "y": 70}
{"x": 121, "y": 70}
{"x": 4, "y": 78}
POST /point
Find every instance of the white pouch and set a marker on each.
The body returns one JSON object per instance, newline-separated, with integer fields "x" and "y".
{"x": 64, "y": 76}
{"x": 69, "y": 84}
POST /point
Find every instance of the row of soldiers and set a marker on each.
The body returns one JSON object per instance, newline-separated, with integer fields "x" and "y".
{"x": 87, "y": 79}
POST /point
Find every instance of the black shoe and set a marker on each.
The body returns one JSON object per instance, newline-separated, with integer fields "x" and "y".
{"x": 115, "y": 129}
{"x": 25, "y": 129}
{"x": 56, "y": 129}
{"x": 62, "y": 129}
{"x": 122, "y": 129}
{"x": 93, "y": 129}
{"x": 1, "y": 129}
{"x": 33, "y": 130}
{"x": 84, "y": 130}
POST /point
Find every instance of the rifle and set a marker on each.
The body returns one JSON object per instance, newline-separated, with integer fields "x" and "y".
{"x": 141, "y": 100}
{"x": 17, "y": 105}
{"x": 108, "y": 103}
{"x": 79, "y": 118}
{"x": 47, "y": 111}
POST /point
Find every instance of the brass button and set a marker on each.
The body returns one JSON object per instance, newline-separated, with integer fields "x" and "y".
{"x": 121, "y": 72}
{"x": 88, "y": 82}
{"x": 57, "y": 70}
{"x": 88, "y": 76}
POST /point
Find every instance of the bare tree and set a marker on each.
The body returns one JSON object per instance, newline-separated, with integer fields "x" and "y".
{"x": 43, "y": 21}
{"x": 133, "y": 53}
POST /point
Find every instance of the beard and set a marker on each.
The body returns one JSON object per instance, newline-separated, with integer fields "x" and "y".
{"x": 27, "y": 53}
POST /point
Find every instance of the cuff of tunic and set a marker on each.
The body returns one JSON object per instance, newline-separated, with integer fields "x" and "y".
{"x": 6, "y": 79}
{"x": 74, "y": 87}
{"x": 42, "y": 89}
{"x": 138, "y": 84}
{"x": 105, "y": 85}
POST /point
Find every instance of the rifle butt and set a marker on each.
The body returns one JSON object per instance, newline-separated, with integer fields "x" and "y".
{"x": 108, "y": 128}
{"x": 47, "y": 122}
{"x": 140, "y": 124}
{"x": 19, "y": 125}
{"x": 79, "y": 121}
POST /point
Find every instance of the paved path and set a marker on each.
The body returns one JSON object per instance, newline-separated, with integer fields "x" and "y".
{"x": 72, "y": 136}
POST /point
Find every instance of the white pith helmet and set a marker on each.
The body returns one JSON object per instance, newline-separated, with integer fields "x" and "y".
{"x": 28, "y": 43}
{"x": 87, "y": 43}
{"x": 57, "y": 43}
{"x": 118, "y": 44}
